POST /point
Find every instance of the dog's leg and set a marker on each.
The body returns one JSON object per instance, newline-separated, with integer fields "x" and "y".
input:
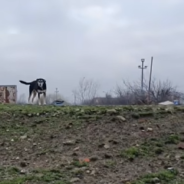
{"x": 39, "y": 99}
{"x": 30, "y": 94}
{"x": 29, "y": 99}
{"x": 44, "y": 98}
{"x": 34, "y": 95}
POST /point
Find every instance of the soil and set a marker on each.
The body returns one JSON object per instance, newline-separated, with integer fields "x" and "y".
{"x": 91, "y": 145}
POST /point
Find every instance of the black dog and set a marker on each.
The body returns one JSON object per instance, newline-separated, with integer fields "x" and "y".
{"x": 38, "y": 86}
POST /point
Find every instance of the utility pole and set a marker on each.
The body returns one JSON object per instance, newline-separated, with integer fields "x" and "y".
{"x": 142, "y": 74}
{"x": 150, "y": 77}
{"x": 56, "y": 93}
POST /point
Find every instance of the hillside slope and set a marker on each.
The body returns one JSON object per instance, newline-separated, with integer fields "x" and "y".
{"x": 91, "y": 145}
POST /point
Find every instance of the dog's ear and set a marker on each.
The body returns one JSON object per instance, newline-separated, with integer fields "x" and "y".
{"x": 44, "y": 80}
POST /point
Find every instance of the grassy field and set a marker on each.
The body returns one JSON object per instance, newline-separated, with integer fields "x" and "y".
{"x": 91, "y": 145}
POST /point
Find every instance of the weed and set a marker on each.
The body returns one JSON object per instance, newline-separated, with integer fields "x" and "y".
{"x": 152, "y": 148}
{"x": 172, "y": 139}
{"x": 80, "y": 164}
{"x": 130, "y": 153}
{"x": 164, "y": 177}
{"x": 41, "y": 176}
{"x": 109, "y": 163}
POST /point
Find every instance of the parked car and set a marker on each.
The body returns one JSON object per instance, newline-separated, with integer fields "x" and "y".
{"x": 58, "y": 103}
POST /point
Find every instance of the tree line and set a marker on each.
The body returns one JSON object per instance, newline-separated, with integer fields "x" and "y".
{"x": 126, "y": 93}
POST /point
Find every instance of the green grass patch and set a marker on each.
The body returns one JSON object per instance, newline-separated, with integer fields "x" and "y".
{"x": 13, "y": 176}
{"x": 172, "y": 139}
{"x": 152, "y": 147}
{"x": 110, "y": 163}
{"x": 80, "y": 164}
{"x": 163, "y": 177}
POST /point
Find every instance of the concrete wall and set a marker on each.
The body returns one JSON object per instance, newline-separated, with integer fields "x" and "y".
{"x": 8, "y": 94}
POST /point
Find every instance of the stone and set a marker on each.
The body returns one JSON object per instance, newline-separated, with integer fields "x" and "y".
{"x": 181, "y": 145}
{"x": 69, "y": 142}
{"x": 150, "y": 129}
{"x": 106, "y": 146}
{"x": 121, "y": 118}
{"x": 23, "y": 137}
{"x": 74, "y": 180}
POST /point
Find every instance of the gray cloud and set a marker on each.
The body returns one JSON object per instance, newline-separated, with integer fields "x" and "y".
{"x": 64, "y": 40}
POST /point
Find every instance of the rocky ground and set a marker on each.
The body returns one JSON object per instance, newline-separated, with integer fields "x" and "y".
{"x": 91, "y": 145}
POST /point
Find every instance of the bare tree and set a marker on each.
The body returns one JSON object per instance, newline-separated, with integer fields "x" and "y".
{"x": 86, "y": 91}
{"x": 159, "y": 91}
{"x": 21, "y": 99}
{"x": 130, "y": 93}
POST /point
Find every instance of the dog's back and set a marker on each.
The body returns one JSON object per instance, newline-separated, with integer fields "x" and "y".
{"x": 37, "y": 85}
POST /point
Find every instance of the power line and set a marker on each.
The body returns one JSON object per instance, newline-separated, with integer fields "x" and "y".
{"x": 142, "y": 67}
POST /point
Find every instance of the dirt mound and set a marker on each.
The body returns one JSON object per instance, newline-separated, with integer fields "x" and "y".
{"x": 90, "y": 145}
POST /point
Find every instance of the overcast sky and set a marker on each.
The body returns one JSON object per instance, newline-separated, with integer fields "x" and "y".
{"x": 64, "y": 40}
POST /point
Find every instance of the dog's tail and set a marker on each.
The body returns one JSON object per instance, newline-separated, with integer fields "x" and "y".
{"x": 26, "y": 83}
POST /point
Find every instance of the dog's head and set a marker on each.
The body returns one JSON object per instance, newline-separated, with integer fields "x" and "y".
{"x": 40, "y": 82}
